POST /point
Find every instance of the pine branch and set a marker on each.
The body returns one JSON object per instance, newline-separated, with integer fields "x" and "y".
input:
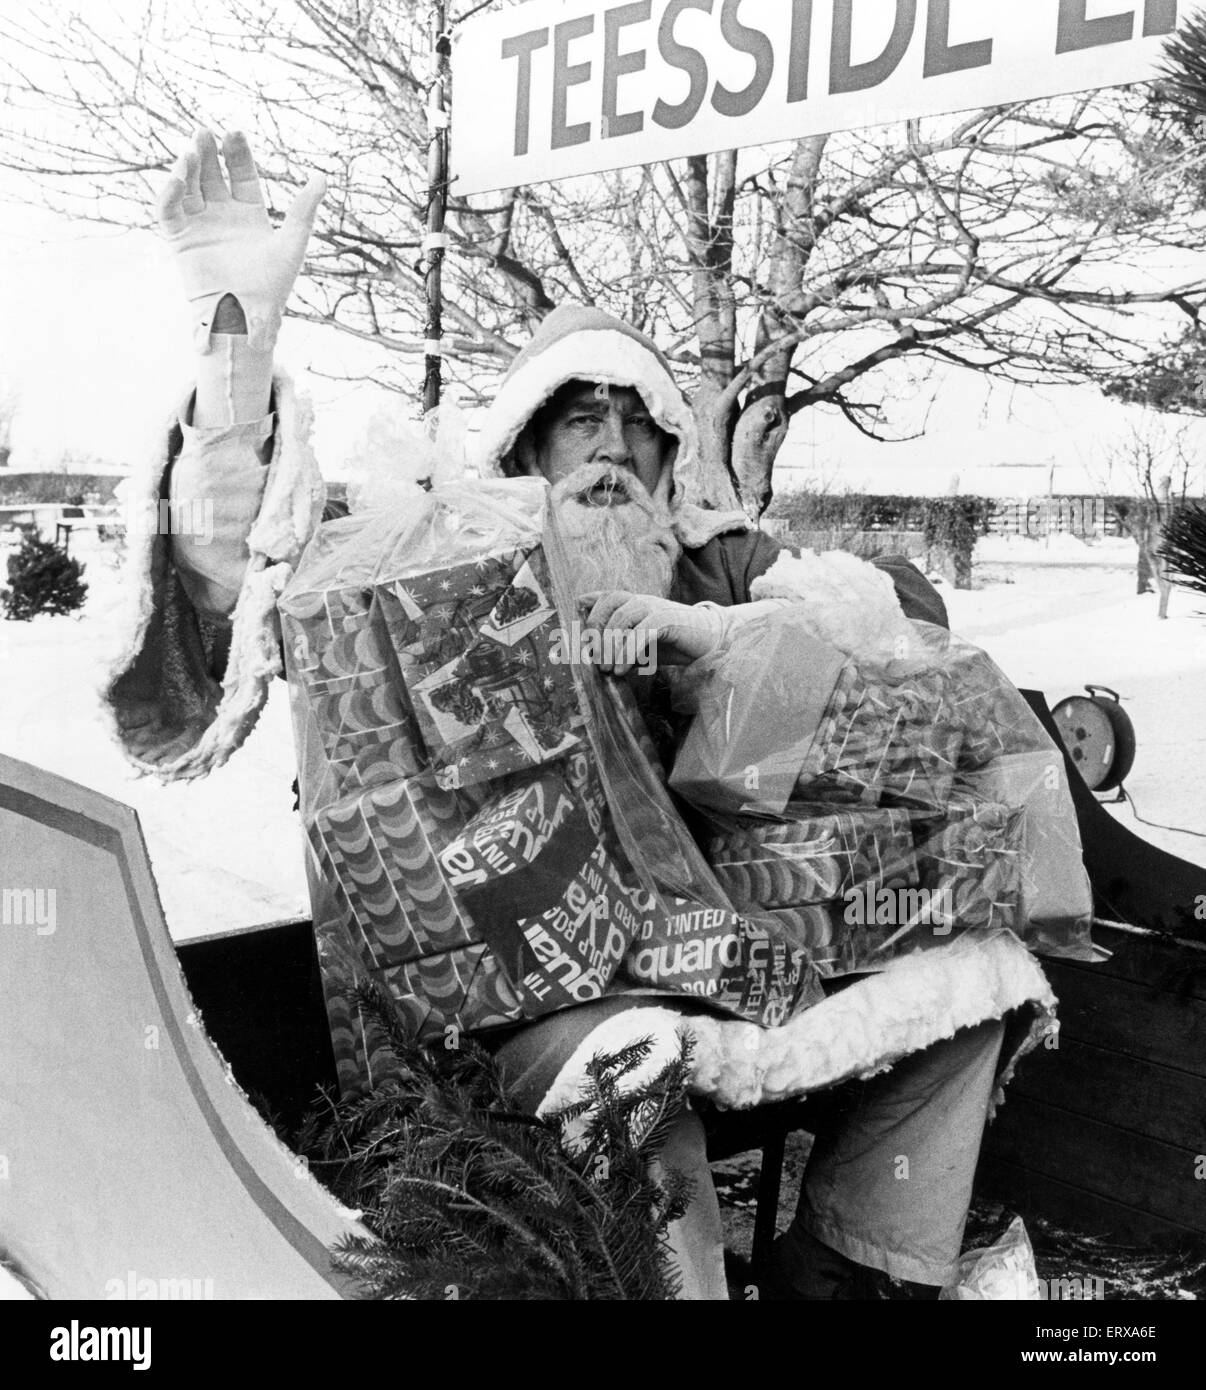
{"x": 464, "y": 1193}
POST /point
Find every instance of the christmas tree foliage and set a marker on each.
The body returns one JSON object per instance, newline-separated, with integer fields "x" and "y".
{"x": 471, "y": 1199}
{"x": 1183, "y": 547}
{"x": 42, "y": 578}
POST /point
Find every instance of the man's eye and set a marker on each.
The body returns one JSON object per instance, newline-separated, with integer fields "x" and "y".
{"x": 586, "y": 417}
{"x": 641, "y": 422}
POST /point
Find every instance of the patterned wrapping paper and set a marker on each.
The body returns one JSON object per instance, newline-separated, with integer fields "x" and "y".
{"x": 473, "y": 644}
{"x": 884, "y": 743}
{"x": 817, "y": 929}
{"x": 1056, "y": 898}
{"x": 379, "y": 849}
{"x": 975, "y": 860}
{"x": 994, "y": 717}
{"x": 537, "y": 869}
{"x": 814, "y": 858}
{"x": 474, "y": 910}
{"x": 747, "y": 965}
{"x": 337, "y": 652}
{"x": 461, "y": 990}
{"x": 910, "y": 881}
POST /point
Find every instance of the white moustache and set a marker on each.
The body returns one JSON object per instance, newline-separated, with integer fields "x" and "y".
{"x": 603, "y": 485}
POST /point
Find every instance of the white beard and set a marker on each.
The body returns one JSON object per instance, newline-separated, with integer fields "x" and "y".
{"x": 625, "y": 543}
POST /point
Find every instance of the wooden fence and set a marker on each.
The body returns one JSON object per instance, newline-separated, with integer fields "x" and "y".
{"x": 1036, "y": 517}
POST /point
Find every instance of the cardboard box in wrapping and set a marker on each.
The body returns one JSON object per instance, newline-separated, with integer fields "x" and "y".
{"x": 354, "y": 716}
{"x": 379, "y": 848}
{"x": 476, "y": 909}
{"x": 537, "y": 868}
{"x": 782, "y": 716}
{"x": 971, "y": 862}
{"x": 901, "y": 881}
{"x": 994, "y": 718}
{"x": 383, "y": 894}
{"x": 1056, "y": 898}
{"x": 815, "y": 857}
{"x": 881, "y": 742}
{"x": 474, "y": 645}
{"x": 746, "y": 965}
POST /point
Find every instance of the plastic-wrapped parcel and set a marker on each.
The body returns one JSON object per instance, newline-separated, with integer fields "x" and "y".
{"x": 878, "y": 807}
{"x": 487, "y": 840}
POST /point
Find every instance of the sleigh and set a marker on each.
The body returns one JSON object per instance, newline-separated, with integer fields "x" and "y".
{"x": 130, "y": 1156}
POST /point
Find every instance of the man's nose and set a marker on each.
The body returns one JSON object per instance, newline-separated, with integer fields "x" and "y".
{"x": 612, "y": 445}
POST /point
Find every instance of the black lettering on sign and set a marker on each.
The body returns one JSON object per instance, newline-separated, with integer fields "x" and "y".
{"x": 1159, "y": 17}
{"x": 940, "y": 55}
{"x": 801, "y": 50}
{"x": 845, "y": 76}
{"x": 1076, "y": 31}
{"x": 690, "y": 60}
{"x": 567, "y": 75}
{"x": 522, "y": 46}
{"x": 616, "y": 64}
{"x": 758, "y": 46}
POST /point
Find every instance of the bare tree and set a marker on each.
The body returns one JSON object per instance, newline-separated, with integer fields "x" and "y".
{"x": 1161, "y": 467}
{"x": 1023, "y": 242}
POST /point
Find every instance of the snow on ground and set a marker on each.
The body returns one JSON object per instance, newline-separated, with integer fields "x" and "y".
{"x": 1055, "y": 617}
{"x": 227, "y": 850}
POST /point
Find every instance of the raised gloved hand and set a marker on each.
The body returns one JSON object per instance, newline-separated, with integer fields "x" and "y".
{"x": 224, "y": 241}
{"x": 673, "y": 633}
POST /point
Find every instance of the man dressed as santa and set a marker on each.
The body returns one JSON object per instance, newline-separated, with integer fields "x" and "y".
{"x": 591, "y": 406}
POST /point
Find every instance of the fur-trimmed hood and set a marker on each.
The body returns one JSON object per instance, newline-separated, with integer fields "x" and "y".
{"x": 579, "y": 343}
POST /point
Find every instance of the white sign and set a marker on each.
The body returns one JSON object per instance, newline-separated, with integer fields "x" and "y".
{"x": 556, "y": 88}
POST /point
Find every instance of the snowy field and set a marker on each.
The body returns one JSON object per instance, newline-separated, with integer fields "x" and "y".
{"x": 1057, "y": 615}
{"x": 227, "y": 850}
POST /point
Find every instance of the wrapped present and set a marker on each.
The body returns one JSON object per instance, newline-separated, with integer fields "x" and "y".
{"x": 1056, "y": 898}
{"x": 537, "y": 869}
{"x": 994, "y": 718}
{"x": 814, "y": 857}
{"x": 816, "y": 929}
{"x": 757, "y": 712}
{"x": 349, "y": 701}
{"x": 463, "y": 991}
{"x": 749, "y": 966}
{"x": 379, "y": 850}
{"x": 884, "y": 742}
{"x": 474, "y": 645}
{"x": 971, "y": 863}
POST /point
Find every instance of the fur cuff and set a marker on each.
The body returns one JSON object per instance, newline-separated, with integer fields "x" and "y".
{"x": 171, "y": 717}
{"x": 849, "y": 603}
{"x": 914, "y": 1002}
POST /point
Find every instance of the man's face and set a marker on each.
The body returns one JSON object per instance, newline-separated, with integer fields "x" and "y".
{"x": 601, "y": 425}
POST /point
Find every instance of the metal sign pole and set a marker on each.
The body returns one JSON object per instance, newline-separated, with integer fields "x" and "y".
{"x": 436, "y": 241}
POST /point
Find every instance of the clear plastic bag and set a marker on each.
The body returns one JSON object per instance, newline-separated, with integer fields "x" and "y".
{"x": 876, "y": 808}
{"x": 487, "y": 838}
{"x": 1002, "y": 1271}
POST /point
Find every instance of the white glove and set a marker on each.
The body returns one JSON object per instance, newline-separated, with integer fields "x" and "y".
{"x": 675, "y": 633}
{"x": 224, "y": 241}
